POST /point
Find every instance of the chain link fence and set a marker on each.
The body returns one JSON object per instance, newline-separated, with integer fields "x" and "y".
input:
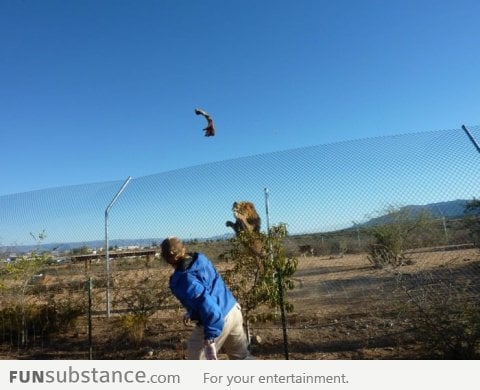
{"x": 385, "y": 232}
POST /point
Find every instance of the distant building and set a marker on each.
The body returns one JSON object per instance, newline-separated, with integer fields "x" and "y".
{"x": 12, "y": 257}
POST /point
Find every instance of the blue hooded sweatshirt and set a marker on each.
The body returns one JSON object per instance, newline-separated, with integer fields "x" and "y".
{"x": 202, "y": 291}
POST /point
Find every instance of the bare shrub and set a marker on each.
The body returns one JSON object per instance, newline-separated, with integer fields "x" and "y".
{"x": 385, "y": 252}
{"x": 445, "y": 315}
{"x": 66, "y": 309}
{"x": 140, "y": 294}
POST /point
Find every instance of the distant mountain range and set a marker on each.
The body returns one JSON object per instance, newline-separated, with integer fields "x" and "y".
{"x": 449, "y": 210}
{"x": 121, "y": 243}
{"x": 68, "y": 246}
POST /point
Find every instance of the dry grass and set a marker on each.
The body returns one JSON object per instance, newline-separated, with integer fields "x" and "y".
{"x": 344, "y": 309}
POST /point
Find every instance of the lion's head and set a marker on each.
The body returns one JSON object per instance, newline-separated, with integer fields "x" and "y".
{"x": 246, "y": 216}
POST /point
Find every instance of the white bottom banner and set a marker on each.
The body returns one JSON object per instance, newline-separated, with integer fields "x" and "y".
{"x": 262, "y": 375}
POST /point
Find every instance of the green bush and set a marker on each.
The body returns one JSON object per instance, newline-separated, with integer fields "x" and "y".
{"x": 132, "y": 327}
{"x": 23, "y": 324}
{"x": 261, "y": 272}
{"x": 399, "y": 231}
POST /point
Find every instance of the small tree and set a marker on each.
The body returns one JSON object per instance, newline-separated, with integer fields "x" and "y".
{"x": 397, "y": 233}
{"x": 261, "y": 272}
{"x": 22, "y": 272}
{"x": 83, "y": 250}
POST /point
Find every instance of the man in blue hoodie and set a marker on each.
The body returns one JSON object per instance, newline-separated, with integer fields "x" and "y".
{"x": 208, "y": 301}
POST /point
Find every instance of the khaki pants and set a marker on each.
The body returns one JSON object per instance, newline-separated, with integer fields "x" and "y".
{"x": 233, "y": 338}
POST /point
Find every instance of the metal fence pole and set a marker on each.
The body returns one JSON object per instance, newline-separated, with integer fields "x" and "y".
{"x": 267, "y": 212}
{"x": 472, "y": 139}
{"x": 444, "y": 223}
{"x": 107, "y": 258}
{"x": 90, "y": 344}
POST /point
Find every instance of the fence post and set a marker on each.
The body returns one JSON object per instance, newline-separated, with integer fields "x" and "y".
{"x": 472, "y": 139}
{"x": 90, "y": 344}
{"x": 107, "y": 259}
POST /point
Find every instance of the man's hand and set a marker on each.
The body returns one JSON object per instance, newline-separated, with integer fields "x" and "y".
{"x": 210, "y": 350}
{"x": 187, "y": 321}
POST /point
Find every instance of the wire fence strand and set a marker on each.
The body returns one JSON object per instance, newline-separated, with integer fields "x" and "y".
{"x": 334, "y": 200}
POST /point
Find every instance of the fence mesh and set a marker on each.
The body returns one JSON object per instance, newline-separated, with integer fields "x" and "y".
{"x": 334, "y": 199}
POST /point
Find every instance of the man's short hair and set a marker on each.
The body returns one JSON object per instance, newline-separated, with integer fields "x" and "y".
{"x": 172, "y": 249}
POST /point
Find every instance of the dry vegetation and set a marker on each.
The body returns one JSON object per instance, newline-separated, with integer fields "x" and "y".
{"x": 343, "y": 309}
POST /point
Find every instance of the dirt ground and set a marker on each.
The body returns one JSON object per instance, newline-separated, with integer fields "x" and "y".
{"x": 343, "y": 309}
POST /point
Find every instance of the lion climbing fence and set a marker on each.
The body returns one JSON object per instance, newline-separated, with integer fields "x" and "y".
{"x": 383, "y": 229}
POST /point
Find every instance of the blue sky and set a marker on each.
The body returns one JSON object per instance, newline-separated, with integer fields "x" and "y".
{"x": 312, "y": 189}
{"x": 95, "y": 91}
